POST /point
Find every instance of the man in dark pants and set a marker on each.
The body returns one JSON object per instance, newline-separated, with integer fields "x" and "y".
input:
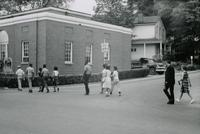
{"x": 169, "y": 83}
{"x": 86, "y": 75}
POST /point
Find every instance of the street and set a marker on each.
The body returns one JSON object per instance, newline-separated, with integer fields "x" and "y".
{"x": 142, "y": 109}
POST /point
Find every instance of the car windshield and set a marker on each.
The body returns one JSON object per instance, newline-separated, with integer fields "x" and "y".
{"x": 151, "y": 61}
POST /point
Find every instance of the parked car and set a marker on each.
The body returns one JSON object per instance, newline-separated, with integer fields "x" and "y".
{"x": 160, "y": 68}
{"x": 154, "y": 67}
{"x": 136, "y": 64}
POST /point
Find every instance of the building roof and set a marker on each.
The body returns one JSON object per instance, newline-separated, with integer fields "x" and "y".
{"x": 60, "y": 15}
{"x": 50, "y": 9}
{"x": 147, "y": 19}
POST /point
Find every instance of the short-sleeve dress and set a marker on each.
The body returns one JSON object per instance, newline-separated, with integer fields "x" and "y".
{"x": 107, "y": 83}
{"x": 185, "y": 83}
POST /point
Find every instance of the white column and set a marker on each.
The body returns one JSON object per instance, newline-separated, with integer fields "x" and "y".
{"x": 161, "y": 50}
{"x": 6, "y": 50}
{"x": 144, "y": 50}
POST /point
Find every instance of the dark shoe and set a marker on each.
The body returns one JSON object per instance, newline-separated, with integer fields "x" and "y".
{"x": 58, "y": 89}
{"x": 19, "y": 89}
{"x": 110, "y": 93}
{"x": 169, "y": 102}
{"x": 30, "y": 91}
{"x": 120, "y": 94}
{"x": 47, "y": 90}
{"x": 86, "y": 93}
{"x": 54, "y": 91}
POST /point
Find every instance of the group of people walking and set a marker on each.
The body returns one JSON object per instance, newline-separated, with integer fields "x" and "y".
{"x": 109, "y": 80}
{"x": 44, "y": 77}
{"x": 184, "y": 83}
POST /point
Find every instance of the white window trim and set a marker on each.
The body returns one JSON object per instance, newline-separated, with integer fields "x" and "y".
{"x": 71, "y": 53}
{"x": 22, "y": 46}
{"x": 91, "y": 54}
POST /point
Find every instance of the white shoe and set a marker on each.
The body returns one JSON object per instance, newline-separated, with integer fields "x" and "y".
{"x": 107, "y": 94}
{"x": 177, "y": 100}
{"x": 192, "y": 101}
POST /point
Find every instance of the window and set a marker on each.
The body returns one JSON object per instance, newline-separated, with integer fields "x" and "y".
{"x": 68, "y": 52}
{"x": 133, "y": 49}
{"x": 3, "y": 51}
{"x": 107, "y": 53}
{"x": 25, "y": 52}
{"x": 89, "y": 53}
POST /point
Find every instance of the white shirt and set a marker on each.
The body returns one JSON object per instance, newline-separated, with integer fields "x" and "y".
{"x": 45, "y": 72}
{"x": 19, "y": 73}
{"x": 55, "y": 73}
{"x": 104, "y": 73}
{"x": 30, "y": 71}
{"x": 115, "y": 75}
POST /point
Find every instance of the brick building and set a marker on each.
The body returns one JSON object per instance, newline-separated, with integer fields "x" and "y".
{"x": 62, "y": 38}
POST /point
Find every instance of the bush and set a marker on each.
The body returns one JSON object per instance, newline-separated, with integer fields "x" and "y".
{"x": 11, "y": 79}
{"x": 190, "y": 67}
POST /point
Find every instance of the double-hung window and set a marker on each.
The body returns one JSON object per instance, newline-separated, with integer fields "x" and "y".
{"x": 68, "y": 52}
{"x": 25, "y": 52}
{"x": 88, "y": 55}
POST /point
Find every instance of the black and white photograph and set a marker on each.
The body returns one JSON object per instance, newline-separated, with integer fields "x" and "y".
{"x": 99, "y": 66}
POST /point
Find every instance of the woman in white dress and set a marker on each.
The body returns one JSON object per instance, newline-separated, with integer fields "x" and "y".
{"x": 107, "y": 82}
{"x": 103, "y": 76}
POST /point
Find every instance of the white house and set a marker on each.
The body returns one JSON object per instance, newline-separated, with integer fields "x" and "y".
{"x": 149, "y": 36}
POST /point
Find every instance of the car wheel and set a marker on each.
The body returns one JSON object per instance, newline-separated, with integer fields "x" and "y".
{"x": 160, "y": 72}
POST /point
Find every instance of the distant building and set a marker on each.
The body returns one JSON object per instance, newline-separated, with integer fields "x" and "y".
{"x": 62, "y": 38}
{"x": 149, "y": 37}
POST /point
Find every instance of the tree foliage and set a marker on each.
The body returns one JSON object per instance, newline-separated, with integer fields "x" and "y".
{"x": 114, "y": 12}
{"x": 13, "y": 6}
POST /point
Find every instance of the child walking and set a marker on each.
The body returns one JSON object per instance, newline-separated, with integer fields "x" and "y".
{"x": 103, "y": 76}
{"x": 20, "y": 76}
{"x": 55, "y": 79}
{"x": 115, "y": 82}
{"x": 185, "y": 84}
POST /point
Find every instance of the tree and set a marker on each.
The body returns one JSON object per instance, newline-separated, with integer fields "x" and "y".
{"x": 14, "y": 6}
{"x": 182, "y": 22}
{"x": 115, "y": 12}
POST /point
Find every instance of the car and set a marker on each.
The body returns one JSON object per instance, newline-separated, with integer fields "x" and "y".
{"x": 160, "y": 68}
{"x": 154, "y": 66}
{"x": 136, "y": 64}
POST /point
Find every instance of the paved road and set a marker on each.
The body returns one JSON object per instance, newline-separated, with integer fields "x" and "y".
{"x": 142, "y": 109}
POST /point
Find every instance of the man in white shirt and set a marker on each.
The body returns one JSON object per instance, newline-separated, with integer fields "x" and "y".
{"x": 30, "y": 76}
{"x": 86, "y": 75}
{"x": 20, "y": 75}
